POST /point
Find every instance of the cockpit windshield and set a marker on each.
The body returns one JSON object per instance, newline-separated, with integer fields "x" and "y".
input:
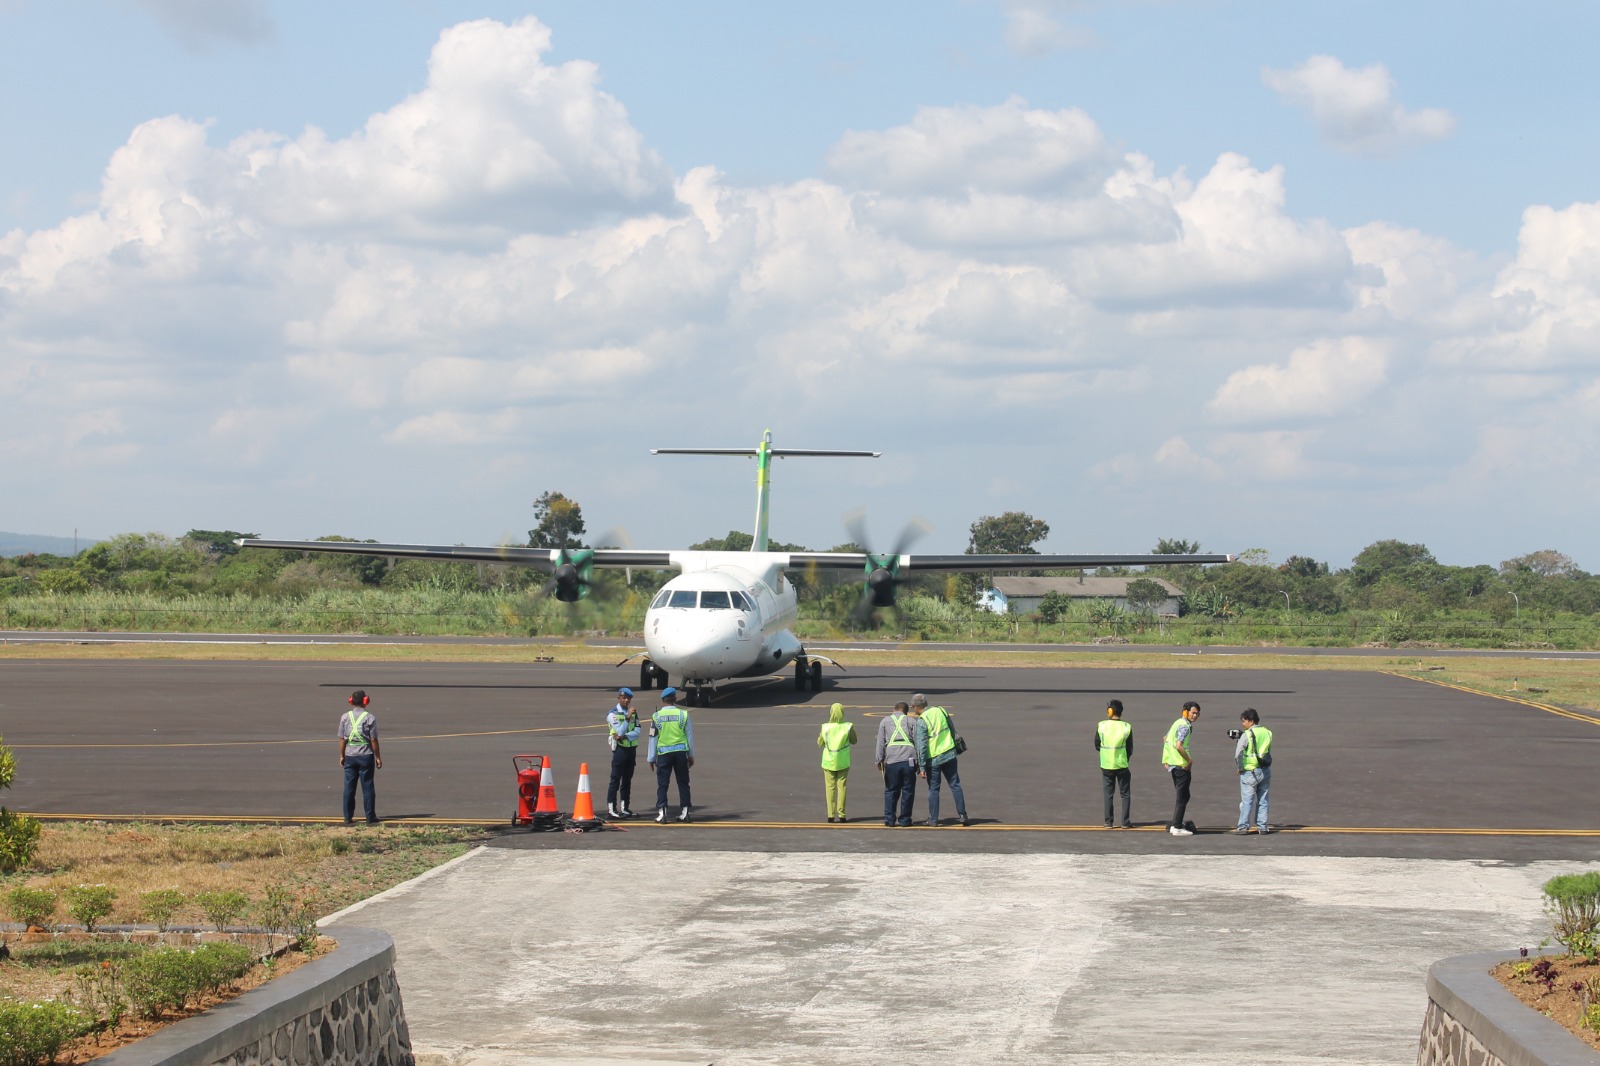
{"x": 709, "y": 600}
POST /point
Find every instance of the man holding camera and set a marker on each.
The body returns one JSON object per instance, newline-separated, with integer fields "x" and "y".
{"x": 1253, "y": 756}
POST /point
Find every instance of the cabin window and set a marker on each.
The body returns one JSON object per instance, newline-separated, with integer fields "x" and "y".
{"x": 716, "y": 600}
{"x": 683, "y": 598}
{"x": 739, "y": 602}
{"x": 661, "y": 600}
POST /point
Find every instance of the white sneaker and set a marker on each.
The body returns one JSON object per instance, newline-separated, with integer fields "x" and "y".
{"x": 626, "y": 813}
{"x": 1179, "y": 831}
{"x": 661, "y": 814}
{"x": 683, "y": 815}
{"x": 612, "y": 812}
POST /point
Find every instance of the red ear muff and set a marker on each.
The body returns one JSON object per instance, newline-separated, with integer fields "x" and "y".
{"x": 351, "y": 701}
{"x": 365, "y": 700}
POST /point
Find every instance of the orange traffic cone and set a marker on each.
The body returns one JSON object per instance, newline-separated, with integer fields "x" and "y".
{"x": 547, "y": 815}
{"x": 583, "y": 805}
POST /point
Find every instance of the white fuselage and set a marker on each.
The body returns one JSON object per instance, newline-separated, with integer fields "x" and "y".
{"x": 727, "y": 615}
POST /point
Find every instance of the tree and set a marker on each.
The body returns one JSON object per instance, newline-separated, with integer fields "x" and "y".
{"x": 1303, "y": 566}
{"x": 1545, "y": 563}
{"x": 1144, "y": 595}
{"x": 1012, "y": 533}
{"x": 560, "y": 522}
{"x": 1168, "y": 546}
{"x": 1053, "y": 608}
{"x": 1385, "y": 557}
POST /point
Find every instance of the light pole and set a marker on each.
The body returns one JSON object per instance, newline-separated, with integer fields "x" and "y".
{"x": 1518, "y": 602}
{"x": 1286, "y": 607}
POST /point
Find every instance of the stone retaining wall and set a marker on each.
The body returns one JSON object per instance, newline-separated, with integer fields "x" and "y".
{"x": 340, "y": 1010}
{"x": 1473, "y": 1021}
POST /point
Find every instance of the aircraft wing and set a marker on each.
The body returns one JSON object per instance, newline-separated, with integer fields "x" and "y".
{"x": 540, "y": 558}
{"x": 958, "y": 563}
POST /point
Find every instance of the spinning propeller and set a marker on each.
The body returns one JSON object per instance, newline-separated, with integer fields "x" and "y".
{"x": 883, "y": 571}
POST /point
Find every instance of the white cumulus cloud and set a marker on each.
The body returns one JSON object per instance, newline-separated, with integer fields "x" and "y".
{"x": 1320, "y": 379}
{"x": 1355, "y": 110}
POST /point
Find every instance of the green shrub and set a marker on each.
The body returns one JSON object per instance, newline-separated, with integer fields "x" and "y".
{"x": 56, "y": 953}
{"x": 160, "y": 905}
{"x": 89, "y": 904}
{"x": 98, "y": 989}
{"x": 31, "y": 1033}
{"x": 31, "y": 906}
{"x": 1572, "y": 902}
{"x": 166, "y": 979}
{"x": 222, "y": 908}
{"x": 19, "y": 834}
{"x": 276, "y": 908}
{"x": 219, "y": 965}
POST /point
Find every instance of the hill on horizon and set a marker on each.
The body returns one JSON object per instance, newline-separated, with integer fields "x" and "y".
{"x": 25, "y": 543}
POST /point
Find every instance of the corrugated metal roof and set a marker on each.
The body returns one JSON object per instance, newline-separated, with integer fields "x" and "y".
{"x": 1094, "y": 588}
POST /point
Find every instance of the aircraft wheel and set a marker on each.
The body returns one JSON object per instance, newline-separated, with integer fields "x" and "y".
{"x": 800, "y": 675}
{"x": 647, "y": 675}
{"x": 816, "y": 677}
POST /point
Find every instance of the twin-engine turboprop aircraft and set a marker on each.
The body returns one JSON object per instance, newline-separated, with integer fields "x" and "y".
{"x": 728, "y": 614}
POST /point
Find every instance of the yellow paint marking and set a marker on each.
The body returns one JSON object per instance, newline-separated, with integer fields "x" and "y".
{"x": 1546, "y": 707}
{"x": 865, "y": 824}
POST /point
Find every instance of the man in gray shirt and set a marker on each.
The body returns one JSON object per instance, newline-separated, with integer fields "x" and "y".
{"x": 360, "y": 756}
{"x": 899, "y": 735}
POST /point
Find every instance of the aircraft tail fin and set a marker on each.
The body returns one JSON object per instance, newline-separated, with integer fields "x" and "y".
{"x": 763, "y": 453}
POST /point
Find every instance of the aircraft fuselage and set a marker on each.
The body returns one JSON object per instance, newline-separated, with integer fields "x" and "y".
{"x": 727, "y": 615}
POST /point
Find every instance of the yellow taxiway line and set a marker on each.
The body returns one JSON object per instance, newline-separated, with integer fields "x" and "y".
{"x": 864, "y": 824}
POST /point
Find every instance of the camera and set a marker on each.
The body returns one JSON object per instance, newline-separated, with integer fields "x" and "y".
{"x": 1235, "y": 734}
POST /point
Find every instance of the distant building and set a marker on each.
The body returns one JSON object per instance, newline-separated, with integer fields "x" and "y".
{"x": 1021, "y": 595}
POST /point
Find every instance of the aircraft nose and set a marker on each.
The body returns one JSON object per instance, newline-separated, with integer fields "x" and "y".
{"x": 708, "y": 647}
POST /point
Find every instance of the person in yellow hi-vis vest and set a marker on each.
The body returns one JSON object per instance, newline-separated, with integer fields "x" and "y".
{"x": 1113, "y": 739}
{"x": 938, "y": 757}
{"x": 835, "y": 739}
{"x": 1253, "y": 755}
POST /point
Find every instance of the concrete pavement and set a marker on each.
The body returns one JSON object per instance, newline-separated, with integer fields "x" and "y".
{"x": 776, "y": 958}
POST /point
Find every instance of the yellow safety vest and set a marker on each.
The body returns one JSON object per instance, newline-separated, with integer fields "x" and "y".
{"x": 670, "y": 732}
{"x": 836, "y": 745}
{"x": 1114, "y": 734}
{"x": 940, "y": 738}
{"x": 357, "y": 733}
{"x": 1260, "y": 744}
{"x": 1170, "y": 755}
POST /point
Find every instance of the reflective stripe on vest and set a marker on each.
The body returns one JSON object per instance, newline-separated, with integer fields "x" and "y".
{"x": 940, "y": 738}
{"x": 1170, "y": 755}
{"x": 621, "y": 720}
{"x": 836, "y": 746}
{"x": 1260, "y": 744}
{"x": 899, "y": 734}
{"x": 356, "y": 734}
{"x": 670, "y": 732}
{"x": 1114, "y": 734}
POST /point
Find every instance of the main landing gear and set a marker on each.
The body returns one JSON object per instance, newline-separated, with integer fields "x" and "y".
{"x": 698, "y": 695}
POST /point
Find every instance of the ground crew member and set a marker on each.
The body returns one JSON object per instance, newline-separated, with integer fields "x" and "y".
{"x": 938, "y": 757}
{"x": 835, "y": 739}
{"x": 900, "y": 736}
{"x": 360, "y": 757}
{"x": 671, "y": 752}
{"x": 622, "y": 725}
{"x": 1113, "y": 739}
{"x": 1175, "y": 758}
{"x": 1253, "y": 755}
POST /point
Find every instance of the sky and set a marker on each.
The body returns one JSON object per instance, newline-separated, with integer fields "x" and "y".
{"x": 1297, "y": 277}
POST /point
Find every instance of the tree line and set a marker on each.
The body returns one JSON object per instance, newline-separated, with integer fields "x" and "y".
{"x": 1402, "y": 580}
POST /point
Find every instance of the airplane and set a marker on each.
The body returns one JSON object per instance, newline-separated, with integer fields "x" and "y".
{"x": 729, "y": 614}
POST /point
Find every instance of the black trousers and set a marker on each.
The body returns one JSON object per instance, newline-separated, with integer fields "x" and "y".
{"x": 623, "y": 760}
{"x": 669, "y": 765}
{"x": 1114, "y": 781}
{"x": 1180, "y": 784}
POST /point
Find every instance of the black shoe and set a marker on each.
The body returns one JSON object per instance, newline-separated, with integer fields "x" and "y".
{"x": 625, "y": 812}
{"x": 932, "y": 824}
{"x": 965, "y": 821}
{"x": 1265, "y": 830}
{"x": 888, "y": 825}
{"x": 373, "y": 821}
{"x": 832, "y": 819}
{"x": 349, "y": 821}
{"x": 1125, "y": 825}
{"x": 1108, "y": 825}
